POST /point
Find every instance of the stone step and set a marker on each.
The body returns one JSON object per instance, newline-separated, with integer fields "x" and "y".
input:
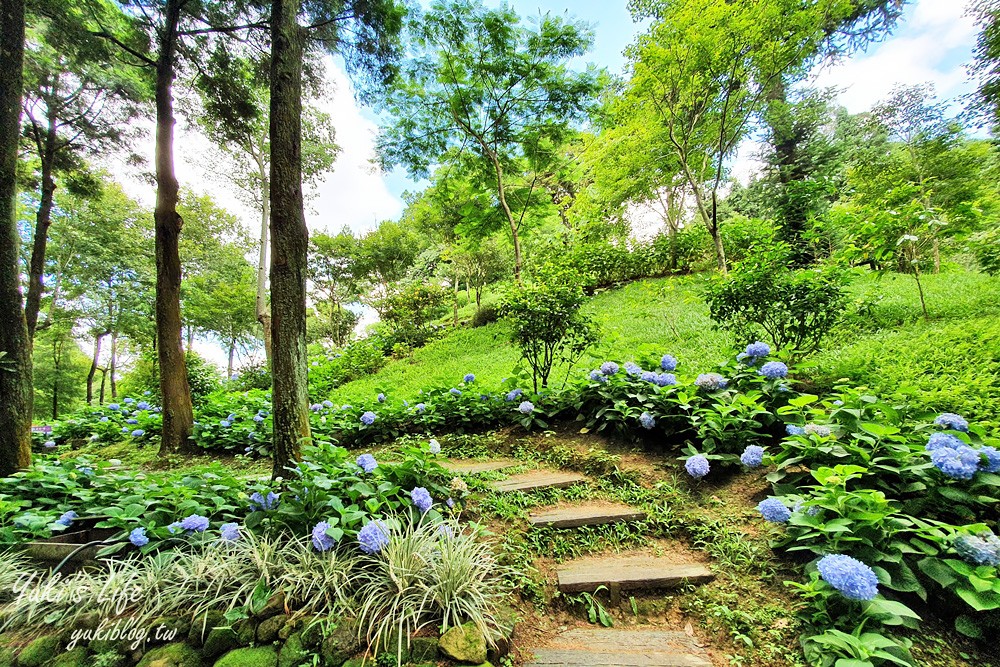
{"x": 460, "y": 467}
{"x": 585, "y": 514}
{"x": 624, "y": 572}
{"x": 538, "y": 479}
{"x": 607, "y": 647}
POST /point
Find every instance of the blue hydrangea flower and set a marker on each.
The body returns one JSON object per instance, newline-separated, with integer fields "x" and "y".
{"x": 959, "y": 463}
{"x": 258, "y": 418}
{"x": 455, "y": 392}
{"x": 49, "y": 444}
{"x": 469, "y": 377}
{"x": 230, "y": 532}
{"x": 321, "y": 541}
{"x": 381, "y": 398}
{"x": 710, "y": 381}
{"x": 147, "y": 393}
{"x": 668, "y": 363}
{"x": 138, "y": 537}
{"x": 367, "y": 462}
{"x": 818, "y": 430}
{"x": 647, "y": 421}
{"x": 422, "y": 499}
{"x": 792, "y": 429}
{"x": 811, "y": 511}
{"x": 264, "y": 503}
{"x": 225, "y": 423}
{"x": 435, "y": 447}
{"x": 84, "y": 470}
{"x": 104, "y": 419}
{"x": 852, "y": 578}
{"x": 666, "y": 379}
{"x": 513, "y": 395}
{"x": 598, "y": 376}
{"x": 757, "y": 350}
{"x": 114, "y": 407}
{"x": 345, "y": 407}
{"x": 774, "y": 510}
{"x": 752, "y": 456}
{"x": 142, "y": 405}
{"x": 609, "y": 368}
{"x": 124, "y": 430}
{"x": 129, "y": 401}
{"x": 328, "y": 404}
{"x": 526, "y": 407}
{"x": 943, "y": 441}
{"x": 450, "y": 503}
{"x": 125, "y": 412}
{"x": 131, "y": 421}
{"x": 981, "y": 549}
{"x": 174, "y": 528}
{"x": 648, "y": 376}
{"x": 952, "y": 421}
{"x": 633, "y": 369}
{"x": 373, "y": 537}
{"x": 195, "y": 523}
{"x": 697, "y": 466}
{"x": 420, "y": 407}
{"x": 231, "y": 417}
{"x": 316, "y": 407}
{"x": 774, "y": 370}
{"x": 67, "y": 518}
{"x": 368, "y": 418}
{"x": 992, "y": 459}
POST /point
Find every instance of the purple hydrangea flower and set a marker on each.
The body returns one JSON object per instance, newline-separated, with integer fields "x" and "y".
{"x": 225, "y": 423}
{"x": 633, "y": 369}
{"x": 264, "y": 503}
{"x": 67, "y": 518}
{"x": 104, "y": 419}
{"x": 49, "y": 444}
{"x": 422, "y": 499}
{"x": 368, "y": 418}
{"x": 666, "y": 379}
{"x": 526, "y": 407}
{"x": 138, "y": 537}
{"x": 381, "y": 398}
{"x": 647, "y": 421}
{"x": 142, "y": 405}
{"x": 697, "y": 466}
{"x": 420, "y": 407}
{"x": 367, "y": 462}
{"x": 752, "y": 456}
{"x": 774, "y": 370}
{"x": 455, "y": 392}
{"x": 114, "y": 407}
{"x": 373, "y": 537}
{"x": 854, "y": 579}
{"x": 943, "y": 441}
{"x": 598, "y": 376}
{"x": 230, "y": 532}
{"x": 321, "y": 541}
{"x": 757, "y": 349}
{"x": 131, "y": 421}
{"x": 952, "y": 421}
{"x": 668, "y": 363}
{"x": 609, "y": 368}
{"x": 328, "y": 404}
{"x": 648, "y": 376}
{"x": 469, "y": 377}
{"x": 316, "y": 407}
{"x": 773, "y": 510}
{"x": 258, "y": 418}
{"x": 195, "y": 523}
{"x": 513, "y": 395}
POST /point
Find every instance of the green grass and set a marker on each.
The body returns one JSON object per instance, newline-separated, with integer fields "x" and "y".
{"x": 950, "y": 362}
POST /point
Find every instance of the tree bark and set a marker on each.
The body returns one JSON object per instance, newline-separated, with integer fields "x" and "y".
{"x": 56, "y": 359}
{"x": 289, "y": 240}
{"x": 15, "y": 378}
{"x": 93, "y": 367}
{"x": 502, "y": 193}
{"x": 178, "y": 415}
{"x": 263, "y": 316}
{"x": 232, "y": 352}
{"x": 113, "y": 365}
{"x": 43, "y": 219}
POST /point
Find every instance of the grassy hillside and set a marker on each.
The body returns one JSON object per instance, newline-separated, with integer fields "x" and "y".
{"x": 953, "y": 359}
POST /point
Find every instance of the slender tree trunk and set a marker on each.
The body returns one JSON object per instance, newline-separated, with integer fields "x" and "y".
{"x": 178, "y": 416}
{"x": 263, "y": 315}
{"x": 455, "y": 306}
{"x": 93, "y": 368}
{"x": 502, "y": 193}
{"x": 104, "y": 378}
{"x": 113, "y": 365}
{"x": 232, "y": 352}
{"x": 720, "y": 251}
{"x": 190, "y": 339}
{"x": 15, "y": 379}
{"x": 43, "y": 219}
{"x": 289, "y": 240}
{"x": 56, "y": 359}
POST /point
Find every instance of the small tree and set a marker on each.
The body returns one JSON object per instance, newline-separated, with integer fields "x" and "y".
{"x": 409, "y": 309}
{"x": 763, "y": 298}
{"x": 546, "y": 323}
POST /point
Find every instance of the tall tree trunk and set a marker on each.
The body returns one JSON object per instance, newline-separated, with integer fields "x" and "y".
{"x": 15, "y": 378}
{"x": 104, "y": 382}
{"x": 178, "y": 415}
{"x": 93, "y": 367}
{"x": 502, "y": 193}
{"x": 263, "y": 316}
{"x": 43, "y": 219}
{"x": 190, "y": 339}
{"x": 113, "y": 365}
{"x": 289, "y": 240}
{"x": 56, "y": 359}
{"x": 232, "y": 352}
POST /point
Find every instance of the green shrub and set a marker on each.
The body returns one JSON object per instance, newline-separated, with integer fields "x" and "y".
{"x": 407, "y": 311}
{"x": 487, "y": 314}
{"x": 743, "y": 236}
{"x": 203, "y": 376}
{"x": 986, "y": 247}
{"x": 546, "y": 323}
{"x": 763, "y": 299}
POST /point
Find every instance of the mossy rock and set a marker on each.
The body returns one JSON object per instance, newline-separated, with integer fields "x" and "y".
{"x": 358, "y": 662}
{"x": 6, "y": 657}
{"x": 261, "y": 656}
{"x": 203, "y": 624}
{"x": 294, "y": 625}
{"x": 293, "y": 653}
{"x": 423, "y": 649}
{"x": 171, "y": 655}
{"x": 274, "y": 606}
{"x": 218, "y": 642}
{"x": 246, "y": 631}
{"x": 169, "y": 629}
{"x": 74, "y": 658}
{"x": 39, "y": 652}
{"x": 111, "y": 658}
{"x": 340, "y": 644}
{"x": 313, "y": 633}
{"x": 267, "y": 631}
{"x": 464, "y": 643}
